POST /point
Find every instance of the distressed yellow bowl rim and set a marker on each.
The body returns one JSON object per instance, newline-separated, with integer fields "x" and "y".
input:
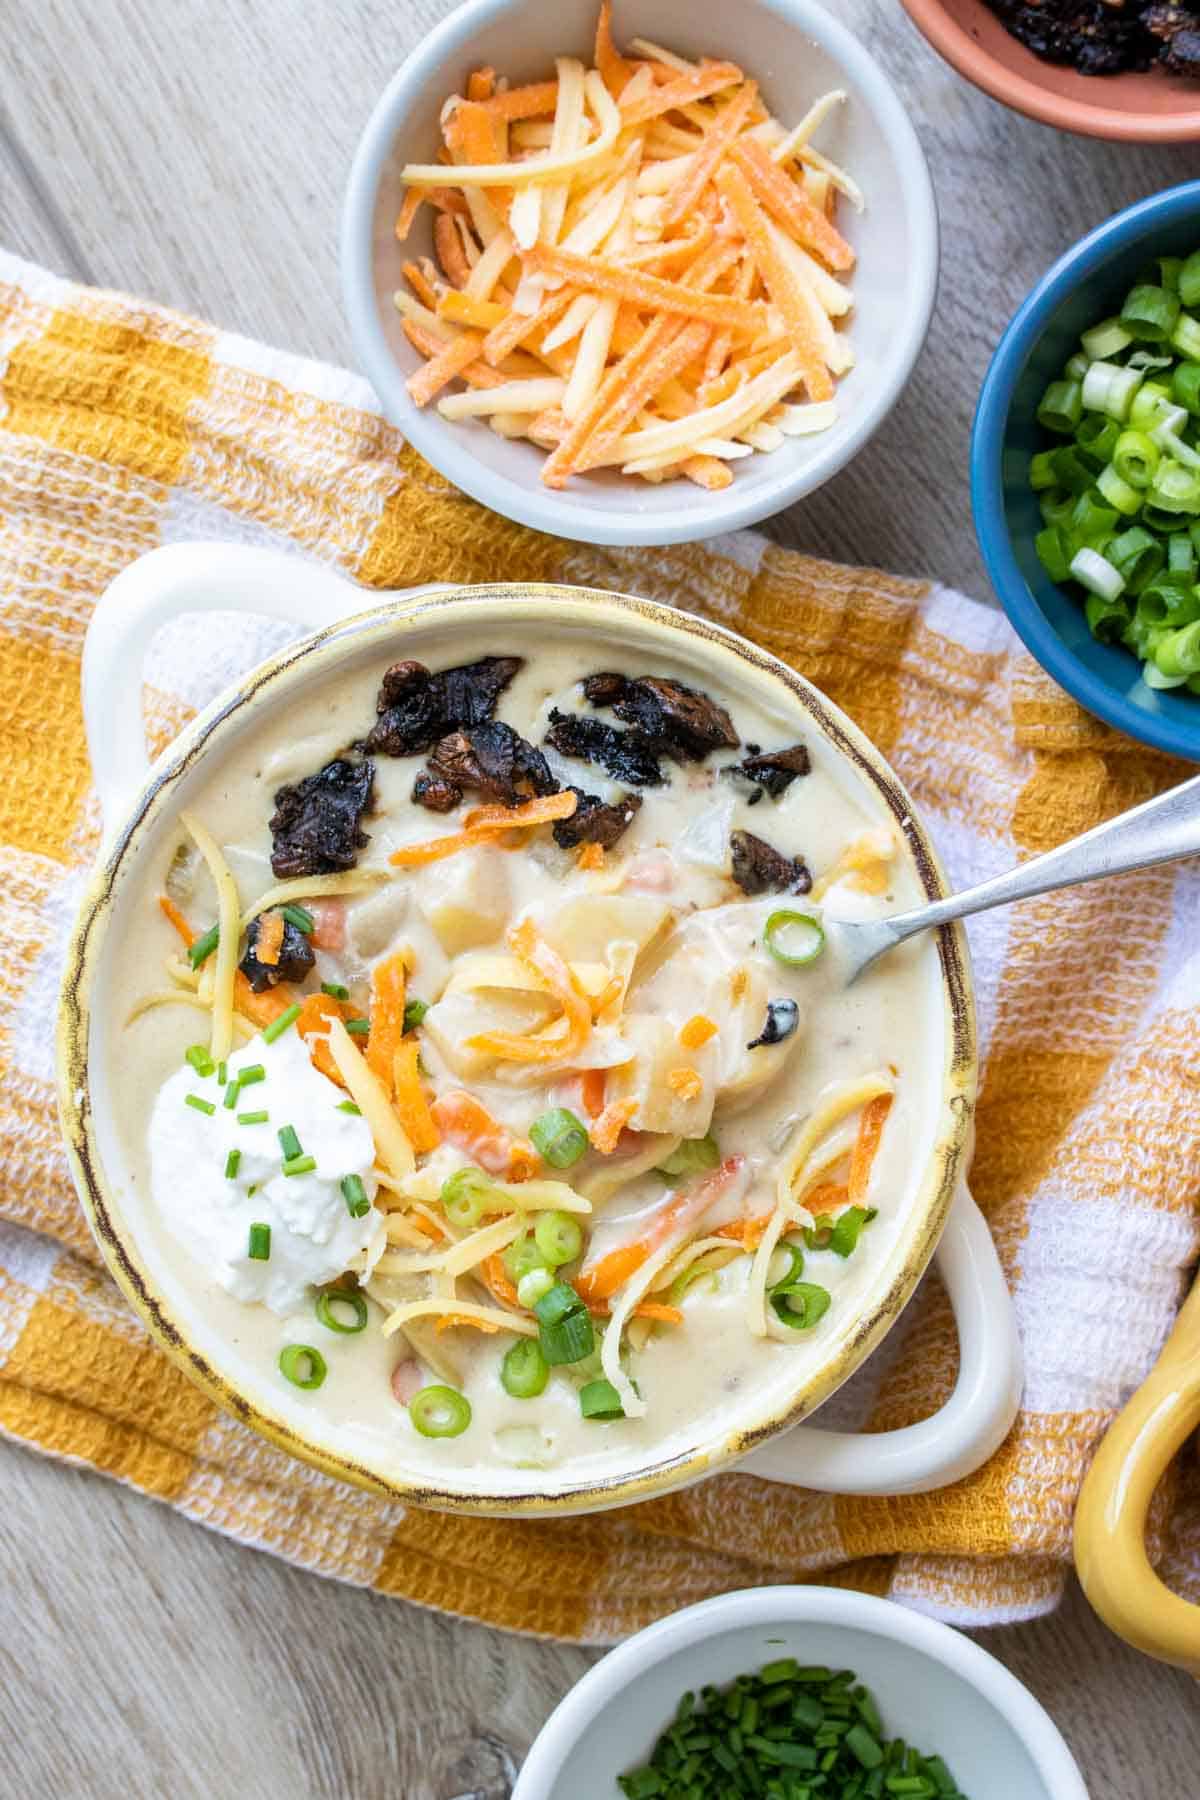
{"x": 380, "y": 625}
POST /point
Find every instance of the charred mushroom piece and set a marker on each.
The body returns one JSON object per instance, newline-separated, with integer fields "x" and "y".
{"x": 489, "y": 759}
{"x": 760, "y": 869}
{"x": 1097, "y": 37}
{"x": 293, "y": 963}
{"x": 417, "y": 707}
{"x": 772, "y": 771}
{"x": 675, "y": 720}
{"x": 316, "y": 828}
{"x": 1178, "y": 30}
{"x": 435, "y": 792}
{"x": 595, "y": 822}
{"x": 625, "y": 755}
{"x": 783, "y": 1016}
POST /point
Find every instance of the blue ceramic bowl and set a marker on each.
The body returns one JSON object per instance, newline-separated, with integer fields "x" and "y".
{"x": 1084, "y": 286}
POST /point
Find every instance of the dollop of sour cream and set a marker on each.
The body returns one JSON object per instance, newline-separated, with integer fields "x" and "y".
{"x": 314, "y": 1237}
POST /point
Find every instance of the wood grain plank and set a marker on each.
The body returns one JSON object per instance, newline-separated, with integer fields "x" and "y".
{"x": 196, "y": 152}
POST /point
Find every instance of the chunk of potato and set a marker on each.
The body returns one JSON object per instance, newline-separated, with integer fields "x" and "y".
{"x": 583, "y": 928}
{"x": 466, "y": 899}
{"x": 373, "y": 924}
{"x": 657, "y": 1055}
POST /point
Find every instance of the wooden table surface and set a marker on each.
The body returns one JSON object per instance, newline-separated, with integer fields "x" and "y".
{"x": 194, "y": 151}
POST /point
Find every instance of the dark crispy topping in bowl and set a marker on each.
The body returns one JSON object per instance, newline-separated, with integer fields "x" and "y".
{"x": 316, "y": 828}
{"x": 416, "y": 708}
{"x": 594, "y": 822}
{"x": 489, "y": 759}
{"x": 294, "y": 961}
{"x": 675, "y": 720}
{"x": 625, "y": 755}
{"x": 772, "y": 771}
{"x": 783, "y": 1016}
{"x": 1107, "y": 37}
{"x": 435, "y": 793}
{"x": 760, "y": 869}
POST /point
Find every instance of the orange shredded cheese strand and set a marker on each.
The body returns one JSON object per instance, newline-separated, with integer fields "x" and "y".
{"x": 649, "y": 292}
{"x": 607, "y": 1130}
{"x": 538, "y": 811}
{"x": 316, "y": 1012}
{"x": 476, "y": 374}
{"x": 687, "y": 1083}
{"x": 529, "y": 102}
{"x": 389, "y": 980}
{"x": 780, "y": 282}
{"x": 684, "y": 90}
{"x": 720, "y": 136}
{"x": 481, "y": 84}
{"x": 787, "y": 200}
{"x": 174, "y": 917}
{"x": 870, "y": 1130}
{"x": 527, "y": 943}
{"x": 421, "y": 285}
{"x": 591, "y": 1091}
{"x": 449, "y": 1321}
{"x": 425, "y": 384}
{"x": 412, "y": 1107}
{"x": 616, "y": 72}
{"x": 697, "y": 1031}
{"x": 269, "y": 941}
{"x": 591, "y": 856}
{"x": 447, "y": 247}
{"x": 409, "y": 208}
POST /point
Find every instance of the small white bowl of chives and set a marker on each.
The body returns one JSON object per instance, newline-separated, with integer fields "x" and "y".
{"x": 967, "y": 1726}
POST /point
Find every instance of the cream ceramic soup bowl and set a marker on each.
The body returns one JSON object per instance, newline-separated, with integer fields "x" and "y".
{"x": 350, "y": 629}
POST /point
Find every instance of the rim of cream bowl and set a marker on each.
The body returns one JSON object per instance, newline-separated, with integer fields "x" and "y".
{"x": 377, "y": 629}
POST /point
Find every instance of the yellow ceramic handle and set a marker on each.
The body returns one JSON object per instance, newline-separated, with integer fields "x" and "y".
{"x": 1110, "y": 1520}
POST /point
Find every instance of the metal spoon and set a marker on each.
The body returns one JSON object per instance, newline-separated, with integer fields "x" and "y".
{"x": 1159, "y": 831}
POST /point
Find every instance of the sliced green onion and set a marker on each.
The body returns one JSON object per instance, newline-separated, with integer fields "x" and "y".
{"x": 1176, "y": 489}
{"x": 1189, "y": 280}
{"x": 565, "y": 1326}
{"x": 348, "y": 1106}
{"x": 278, "y": 1026}
{"x": 794, "y": 939}
{"x": 1148, "y": 403}
{"x": 231, "y": 1095}
{"x": 1096, "y": 440}
{"x": 1135, "y": 458}
{"x": 259, "y": 1249}
{"x": 559, "y": 1238}
{"x": 232, "y": 1164}
{"x": 1170, "y": 268}
{"x": 791, "y": 1267}
{"x": 440, "y": 1412}
{"x": 859, "y": 1741}
{"x": 355, "y": 1196}
{"x": 200, "y": 1059}
{"x": 801, "y": 1304}
{"x": 464, "y": 1197}
{"x": 559, "y": 1137}
{"x": 524, "y": 1371}
{"x": 600, "y": 1400}
{"x": 533, "y": 1285}
{"x": 1179, "y": 652}
{"x": 333, "y": 1320}
{"x": 692, "y": 1157}
{"x": 847, "y": 1229}
{"x": 1107, "y": 339}
{"x": 358, "y": 1027}
{"x": 1071, "y": 471}
{"x": 1150, "y": 314}
{"x": 203, "y": 947}
{"x": 1052, "y": 553}
{"x": 204, "y": 1106}
{"x": 251, "y": 1075}
{"x": 299, "y": 1165}
{"x": 1118, "y": 493}
{"x": 1138, "y": 555}
{"x": 303, "y": 1366}
{"x": 1097, "y": 574}
{"x": 300, "y": 917}
{"x": 1181, "y": 554}
{"x": 414, "y": 1012}
{"x": 335, "y": 990}
{"x": 522, "y": 1257}
{"x": 1061, "y": 407}
{"x": 1167, "y": 437}
{"x": 1186, "y": 337}
{"x": 1153, "y": 677}
{"x": 1041, "y": 471}
{"x": 1077, "y": 367}
{"x": 1185, "y": 387}
{"x": 1108, "y": 388}
{"x": 1108, "y": 620}
{"x": 289, "y": 1142}
{"x": 253, "y": 1118}
{"x": 1090, "y": 521}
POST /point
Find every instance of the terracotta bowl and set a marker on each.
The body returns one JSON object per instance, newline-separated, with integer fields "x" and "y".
{"x": 1148, "y": 109}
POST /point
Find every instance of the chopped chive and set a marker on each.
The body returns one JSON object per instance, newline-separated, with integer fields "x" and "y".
{"x": 204, "y": 1106}
{"x": 358, "y": 1027}
{"x": 348, "y": 1106}
{"x": 289, "y": 1142}
{"x": 299, "y": 1165}
{"x": 222, "y": 1073}
{"x": 303, "y": 1366}
{"x": 260, "y": 1243}
{"x": 248, "y": 1076}
{"x": 232, "y": 1164}
{"x": 203, "y": 947}
{"x": 329, "y": 1305}
{"x": 278, "y": 1026}
{"x": 335, "y": 990}
{"x": 251, "y": 1191}
{"x": 200, "y": 1059}
{"x": 231, "y": 1095}
{"x": 254, "y": 1118}
{"x": 300, "y": 917}
{"x": 355, "y": 1196}
{"x": 414, "y": 1012}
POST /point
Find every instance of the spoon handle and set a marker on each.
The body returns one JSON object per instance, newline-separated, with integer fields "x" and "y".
{"x": 1159, "y": 831}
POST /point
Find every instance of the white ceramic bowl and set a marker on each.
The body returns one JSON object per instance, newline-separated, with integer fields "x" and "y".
{"x": 935, "y": 1688}
{"x": 797, "y": 51}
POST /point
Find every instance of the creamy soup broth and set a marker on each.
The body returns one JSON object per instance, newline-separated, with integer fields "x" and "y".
{"x": 671, "y": 864}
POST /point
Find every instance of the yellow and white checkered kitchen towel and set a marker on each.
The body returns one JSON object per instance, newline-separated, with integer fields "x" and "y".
{"x": 123, "y": 426}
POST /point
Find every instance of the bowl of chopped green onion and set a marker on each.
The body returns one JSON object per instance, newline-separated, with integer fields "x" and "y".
{"x": 1085, "y": 471}
{"x": 799, "y": 1693}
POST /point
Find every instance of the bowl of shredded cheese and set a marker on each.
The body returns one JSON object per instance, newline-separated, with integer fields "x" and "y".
{"x": 626, "y": 281}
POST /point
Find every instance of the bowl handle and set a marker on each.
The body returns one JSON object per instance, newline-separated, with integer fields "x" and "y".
{"x": 1110, "y": 1519}
{"x": 161, "y": 586}
{"x": 964, "y": 1432}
